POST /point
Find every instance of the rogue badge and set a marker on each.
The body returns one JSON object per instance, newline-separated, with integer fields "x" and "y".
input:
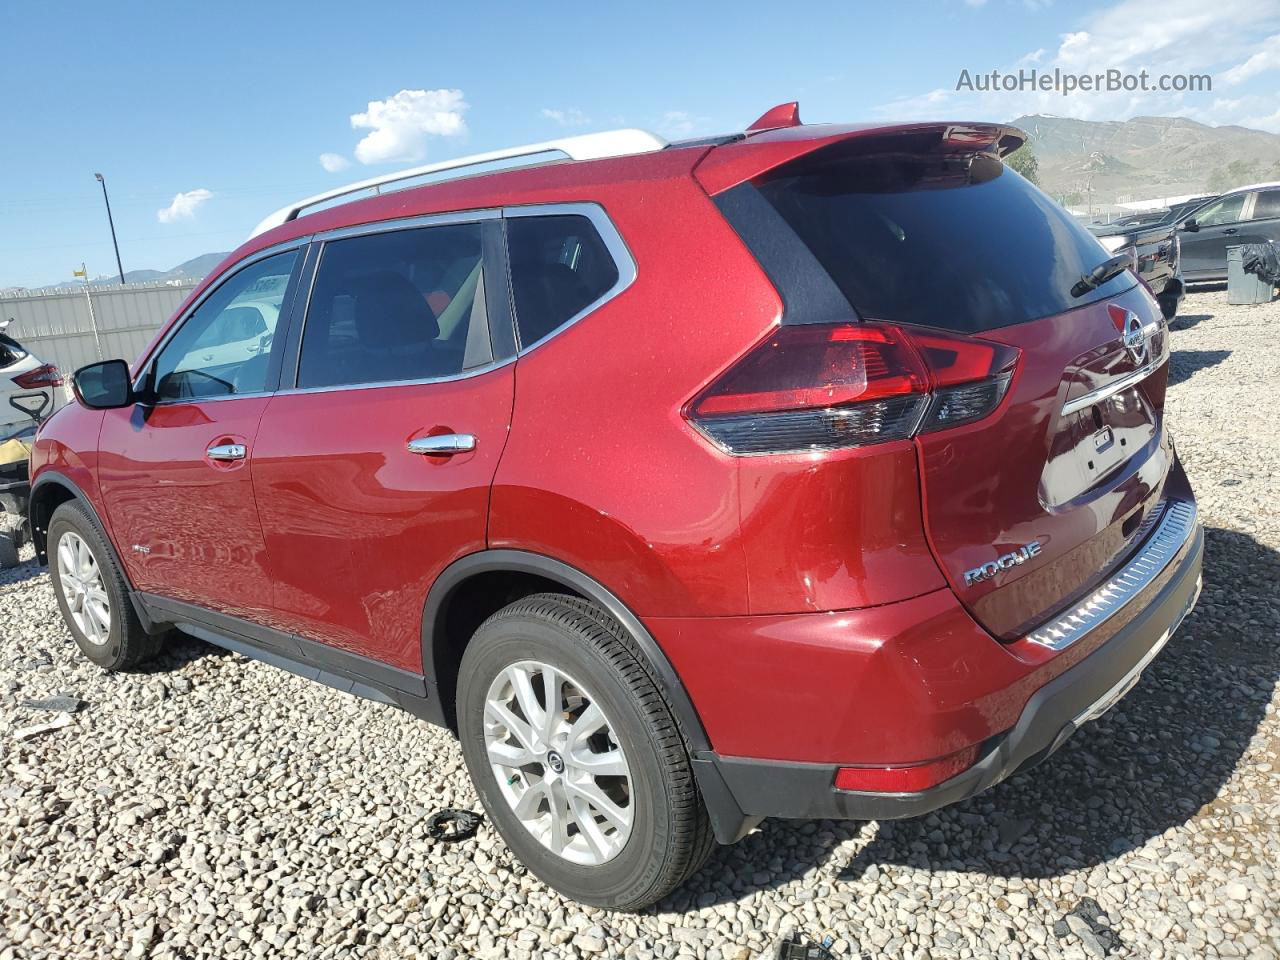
{"x": 1003, "y": 562}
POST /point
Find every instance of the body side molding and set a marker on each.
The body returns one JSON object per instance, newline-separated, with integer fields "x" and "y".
{"x": 340, "y": 669}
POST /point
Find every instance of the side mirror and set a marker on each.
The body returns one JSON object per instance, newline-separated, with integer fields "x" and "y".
{"x": 1191, "y": 226}
{"x": 104, "y": 386}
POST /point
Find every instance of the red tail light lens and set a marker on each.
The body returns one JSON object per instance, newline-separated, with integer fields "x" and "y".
{"x": 908, "y": 779}
{"x": 819, "y": 387}
{"x": 46, "y": 375}
{"x": 969, "y": 377}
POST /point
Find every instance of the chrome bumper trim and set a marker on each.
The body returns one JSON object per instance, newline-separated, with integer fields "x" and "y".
{"x": 1130, "y": 679}
{"x": 1172, "y": 530}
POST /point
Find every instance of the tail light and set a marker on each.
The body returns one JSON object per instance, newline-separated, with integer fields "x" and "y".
{"x": 820, "y": 387}
{"x": 45, "y": 375}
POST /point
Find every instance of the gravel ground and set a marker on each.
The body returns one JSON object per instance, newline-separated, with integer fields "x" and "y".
{"x": 215, "y": 807}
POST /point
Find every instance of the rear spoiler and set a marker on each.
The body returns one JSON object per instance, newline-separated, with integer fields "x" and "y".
{"x": 724, "y": 167}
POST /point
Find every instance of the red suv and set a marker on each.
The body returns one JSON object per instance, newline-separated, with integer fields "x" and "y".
{"x": 813, "y": 471}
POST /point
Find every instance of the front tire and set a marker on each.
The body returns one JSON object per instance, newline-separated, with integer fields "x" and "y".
{"x": 596, "y": 795}
{"x": 93, "y": 594}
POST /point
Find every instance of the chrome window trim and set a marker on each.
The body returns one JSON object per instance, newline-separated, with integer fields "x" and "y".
{"x": 1172, "y": 530}
{"x": 367, "y": 229}
{"x": 407, "y": 223}
{"x": 334, "y": 388}
{"x": 612, "y": 239}
{"x": 613, "y": 242}
{"x": 1111, "y": 389}
{"x": 182, "y": 321}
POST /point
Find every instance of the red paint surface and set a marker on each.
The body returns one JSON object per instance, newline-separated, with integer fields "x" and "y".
{"x": 356, "y": 527}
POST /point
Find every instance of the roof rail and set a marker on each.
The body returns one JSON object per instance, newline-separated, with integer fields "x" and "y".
{"x": 591, "y": 146}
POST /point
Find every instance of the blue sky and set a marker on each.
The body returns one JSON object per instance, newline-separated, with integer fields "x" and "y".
{"x": 205, "y": 118}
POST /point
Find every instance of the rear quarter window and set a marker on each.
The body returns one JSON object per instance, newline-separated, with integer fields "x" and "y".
{"x": 956, "y": 241}
{"x": 559, "y": 267}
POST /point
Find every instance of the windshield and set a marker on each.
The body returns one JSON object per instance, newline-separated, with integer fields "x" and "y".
{"x": 948, "y": 240}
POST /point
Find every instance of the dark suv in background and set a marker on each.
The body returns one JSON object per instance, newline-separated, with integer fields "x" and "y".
{"x": 1244, "y": 215}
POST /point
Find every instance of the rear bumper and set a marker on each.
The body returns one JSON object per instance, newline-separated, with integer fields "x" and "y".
{"x": 746, "y": 790}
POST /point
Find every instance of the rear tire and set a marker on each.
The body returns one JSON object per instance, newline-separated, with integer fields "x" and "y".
{"x": 650, "y": 831}
{"x": 93, "y": 594}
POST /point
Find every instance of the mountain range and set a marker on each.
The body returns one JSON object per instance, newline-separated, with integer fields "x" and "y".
{"x": 1146, "y": 157}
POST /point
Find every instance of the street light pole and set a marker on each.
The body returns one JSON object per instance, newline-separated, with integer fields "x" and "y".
{"x": 111, "y": 223}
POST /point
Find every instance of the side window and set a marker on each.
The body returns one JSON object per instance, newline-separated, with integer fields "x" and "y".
{"x": 225, "y": 346}
{"x": 1267, "y": 205}
{"x": 1226, "y": 210}
{"x": 402, "y": 305}
{"x": 559, "y": 267}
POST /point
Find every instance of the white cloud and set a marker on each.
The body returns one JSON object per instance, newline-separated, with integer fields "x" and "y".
{"x": 1189, "y": 37}
{"x": 401, "y": 124}
{"x": 677, "y": 123}
{"x": 1267, "y": 58}
{"x": 333, "y": 162}
{"x": 569, "y": 117}
{"x": 184, "y": 206}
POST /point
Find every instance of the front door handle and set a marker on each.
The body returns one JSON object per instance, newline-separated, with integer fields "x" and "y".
{"x": 227, "y": 451}
{"x": 1230, "y": 230}
{"x": 443, "y": 445}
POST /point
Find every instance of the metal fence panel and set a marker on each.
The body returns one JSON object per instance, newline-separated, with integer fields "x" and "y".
{"x": 55, "y": 324}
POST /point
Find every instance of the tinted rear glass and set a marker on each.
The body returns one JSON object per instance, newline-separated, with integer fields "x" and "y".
{"x": 940, "y": 239}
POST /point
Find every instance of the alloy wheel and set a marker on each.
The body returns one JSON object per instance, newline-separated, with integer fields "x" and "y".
{"x": 557, "y": 762}
{"x": 83, "y": 589}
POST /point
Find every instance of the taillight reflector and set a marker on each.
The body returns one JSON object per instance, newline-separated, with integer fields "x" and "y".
{"x": 906, "y": 779}
{"x": 45, "y": 375}
{"x": 825, "y": 387}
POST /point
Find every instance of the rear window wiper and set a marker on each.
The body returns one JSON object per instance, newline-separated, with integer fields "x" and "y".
{"x": 1106, "y": 270}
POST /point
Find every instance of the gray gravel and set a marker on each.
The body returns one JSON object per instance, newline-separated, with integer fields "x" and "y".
{"x": 216, "y": 807}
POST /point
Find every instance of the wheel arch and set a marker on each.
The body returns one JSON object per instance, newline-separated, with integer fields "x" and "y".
{"x": 50, "y": 491}
{"x": 533, "y": 573}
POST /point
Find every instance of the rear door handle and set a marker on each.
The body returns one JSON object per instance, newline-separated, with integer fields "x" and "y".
{"x": 443, "y": 445}
{"x": 227, "y": 451}
{"x": 1230, "y": 230}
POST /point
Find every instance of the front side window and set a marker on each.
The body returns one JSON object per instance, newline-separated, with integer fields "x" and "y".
{"x": 1226, "y": 210}
{"x": 225, "y": 346}
{"x": 1267, "y": 205}
{"x": 397, "y": 306}
{"x": 559, "y": 267}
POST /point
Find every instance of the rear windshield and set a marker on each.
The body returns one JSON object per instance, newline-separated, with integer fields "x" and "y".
{"x": 10, "y": 351}
{"x": 940, "y": 239}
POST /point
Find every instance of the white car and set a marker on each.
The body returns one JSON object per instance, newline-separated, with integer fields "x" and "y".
{"x": 29, "y": 387}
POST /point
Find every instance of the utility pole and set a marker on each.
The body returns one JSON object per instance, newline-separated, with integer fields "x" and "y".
{"x": 83, "y": 274}
{"x": 111, "y": 223}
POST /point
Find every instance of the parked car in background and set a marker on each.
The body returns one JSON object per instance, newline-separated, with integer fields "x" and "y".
{"x": 28, "y": 385}
{"x": 1154, "y": 250}
{"x": 1177, "y": 211}
{"x": 1245, "y": 215}
{"x": 689, "y": 483}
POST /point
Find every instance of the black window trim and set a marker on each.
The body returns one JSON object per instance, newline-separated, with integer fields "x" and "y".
{"x": 285, "y": 318}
